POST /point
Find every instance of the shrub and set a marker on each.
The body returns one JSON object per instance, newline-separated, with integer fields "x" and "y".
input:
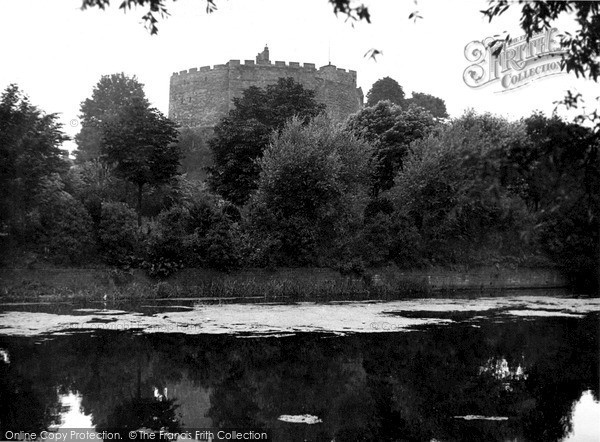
{"x": 199, "y": 235}
{"x": 166, "y": 247}
{"x": 450, "y": 189}
{"x": 221, "y": 247}
{"x": 570, "y": 237}
{"x": 118, "y": 234}
{"x": 63, "y": 227}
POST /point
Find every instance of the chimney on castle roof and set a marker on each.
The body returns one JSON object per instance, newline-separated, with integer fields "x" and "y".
{"x": 263, "y": 57}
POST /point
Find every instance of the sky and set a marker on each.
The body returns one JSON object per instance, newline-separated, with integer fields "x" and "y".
{"x": 56, "y": 52}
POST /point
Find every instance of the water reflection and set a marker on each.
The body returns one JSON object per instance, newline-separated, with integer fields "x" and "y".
{"x": 514, "y": 380}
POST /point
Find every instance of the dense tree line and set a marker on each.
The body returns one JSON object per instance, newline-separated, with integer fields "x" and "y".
{"x": 288, "y": 187}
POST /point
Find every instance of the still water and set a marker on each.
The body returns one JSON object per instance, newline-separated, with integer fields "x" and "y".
{"x": 502, "y": 368}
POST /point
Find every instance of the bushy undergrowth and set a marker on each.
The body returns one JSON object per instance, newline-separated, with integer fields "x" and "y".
{"x": 118, "y": 234}
{"x": 199, "y": 235}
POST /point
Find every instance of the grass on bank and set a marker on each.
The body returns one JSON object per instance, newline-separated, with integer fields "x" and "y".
{"x": 256, "y": 289}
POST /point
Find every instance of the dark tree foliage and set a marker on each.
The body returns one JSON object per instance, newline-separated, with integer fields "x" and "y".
{"x": 110, "y": 94}
{"x": 552, "y": 162}
{"x": 390, "y": 130}
{"x": 140, "y": 143}
{"x": 385, "y": 89}
{"x": 30, "y": 151}
{"x": 241, "y": 137}
{"x": 198, "y": 233}
{"x": 557, "y": 172}
{"x": 436, "y": 106}
{"x": 450, "y": 186}
{"x": 118, "y": 235}
{"x": 60, "y": 228}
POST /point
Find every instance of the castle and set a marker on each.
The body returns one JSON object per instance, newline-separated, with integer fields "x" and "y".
{"x": 199, "y": 98}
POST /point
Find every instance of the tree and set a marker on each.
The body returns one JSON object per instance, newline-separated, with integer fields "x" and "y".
{"x": 385, "y": 89}
{"x": 197, "y": 233}
{"x": 118, "y": 235}
{"x": 311, "y": 192}
{"x": 582, "y": 57}
{"x": 434, "y": 105}
{"x": 30, "y": 142}
{"x": 61, "y": 225}
{"x": 139, "y": 143}
{"x": 557, "y": 175}
{"x": 390, "y": 130}
{"x": 451, "y": 187}
{"x": 241, "y": 136}
{"x": 110, "y": 94}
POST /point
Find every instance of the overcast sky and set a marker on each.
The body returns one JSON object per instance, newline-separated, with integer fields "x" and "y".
{"x": 56, "y": 53}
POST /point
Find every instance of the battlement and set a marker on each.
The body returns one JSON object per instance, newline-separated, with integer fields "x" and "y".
{"x": 232, "y": 64}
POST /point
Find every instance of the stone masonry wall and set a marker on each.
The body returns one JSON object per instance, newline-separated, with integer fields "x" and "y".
{"x": 200, "y": 97}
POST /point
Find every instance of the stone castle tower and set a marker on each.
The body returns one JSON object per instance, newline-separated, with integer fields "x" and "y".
{"x": 200, "y": 97}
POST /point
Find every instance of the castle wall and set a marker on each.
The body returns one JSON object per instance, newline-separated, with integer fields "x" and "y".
{"x": 200, "y": 97}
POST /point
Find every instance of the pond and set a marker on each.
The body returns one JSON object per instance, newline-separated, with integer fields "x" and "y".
{"x": 516, "y": 367}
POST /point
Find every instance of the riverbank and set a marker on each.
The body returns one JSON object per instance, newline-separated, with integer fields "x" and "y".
{"x": 288, "y": 283}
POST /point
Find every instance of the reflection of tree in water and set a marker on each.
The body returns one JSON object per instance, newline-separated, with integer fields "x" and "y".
{"x": 27, "y": 401}
{"x": 142, "y": 413}
{"x": 266, "y": 378}
{"x": 145, "y": 412}
{"x": 402, "y": 386}
{"x": 114, "y": 373}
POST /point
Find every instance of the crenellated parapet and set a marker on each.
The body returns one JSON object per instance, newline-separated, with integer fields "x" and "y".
{"x": 199, "y": 97}
{"x": 330, "y": 71}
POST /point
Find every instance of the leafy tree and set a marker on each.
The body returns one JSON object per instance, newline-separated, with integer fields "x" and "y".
{"x": 118, "y": 235}
{"x": 241, "y": 136}
{"x": 558, "y": 175}
{"x": 390, "y": 130}
{"x": 311, "y": 192}
{"x": 30, "y": 152}
{"x": 196, "y": 233}
{"x": 434, "y": 105}
{"x": 61, "y": 227}
{"x": 451, "y": 187}
{"x": 385, "y": 89}
{"x": 553, "y": 164}
{"x": 140, "y": 143}
{"x": 110, "y": 94}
